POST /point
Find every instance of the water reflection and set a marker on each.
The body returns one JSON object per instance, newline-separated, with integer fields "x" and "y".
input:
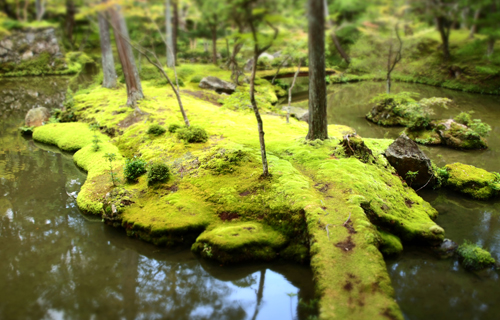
{"x": 59, "y": 264}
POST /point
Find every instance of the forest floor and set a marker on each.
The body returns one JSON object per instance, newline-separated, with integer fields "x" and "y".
{"x": 322, "y": 204}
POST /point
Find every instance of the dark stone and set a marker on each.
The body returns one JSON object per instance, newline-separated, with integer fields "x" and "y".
{"x": 446, "y": 249}
{"x": 218, "y": 85}
{"x": 404, "y": 155}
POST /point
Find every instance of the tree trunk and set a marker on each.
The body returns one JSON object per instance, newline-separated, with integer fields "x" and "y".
{"x": 473, "y": 28}
{"x": 290, "y": 92}
{"x": 491, "y": 46}
{"x": 260, "y": 125}
{"x": 132, "y": 80}
{"x": 334, "y": 37}
{"x": 318, "y": 127}
{"x": 40, "y": 9}
{"x": 175, "y": 31}
{"x": 444, "y": 31}
{"x": 170, "y": 43}
{"x": 214, "y": 44}
{"x": 25, "y": 10}
{"x": 464, "y": 14}
{"x": 108, "y": 63}
{"x": 70, "y": 19}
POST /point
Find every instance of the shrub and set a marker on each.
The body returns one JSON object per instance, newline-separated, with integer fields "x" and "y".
{"x": 192, "y": 134}
{"x": 173, "y": 127}
{"x": 464, "y": 118}
{"x": 473, "y": 257}
{"x": 196, "y": 79}
{"x": 156, "y": 130}
{"x": 158, "y": 172}
{"x": 134, "y": 168}
{"x": 476, "y": 125}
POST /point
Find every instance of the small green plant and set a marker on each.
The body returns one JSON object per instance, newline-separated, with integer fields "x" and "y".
{"x": 156, "y": 130}
{"x": 192, "y": 134}
{"x": 395, "y": 99}
{"x": 95, "y": 138}
{"x": 112, "y": 157}
{"x": 134, "y": 168}
{"x": 173, "y": 127}
{"x": 442, "y": 175}
{"x": 158, "y": 172}
{"x": 207, "y": 249}
{"x": 473, "y": 257}
{"x": 411, "y": 175}
{"x": 464, "y": 118}
{"x": 476, "y": 125}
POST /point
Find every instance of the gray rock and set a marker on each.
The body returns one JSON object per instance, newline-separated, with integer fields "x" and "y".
{"x": 36, "y": 117}
{"x": 249, "y": 63}
{"x": 298, "y": 113}
{"x": 218, "y": 85}
{"x": 446, "y": 249}
{"x": 404, "y": 155}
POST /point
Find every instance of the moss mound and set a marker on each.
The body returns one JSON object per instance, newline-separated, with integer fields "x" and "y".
{"x": 474, "y": 257}
{"x": 389, "y": 243}
{"x": 476, "y": 182}
{"x": 240, "y": 241}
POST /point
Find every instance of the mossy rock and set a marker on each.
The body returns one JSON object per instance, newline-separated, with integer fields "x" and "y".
{"x": 459, "y": 136}
{"x": 384, "y": 114}
{"x": 389, "y": 243}
{"x": 476, "y": 182}
{"x": 473, "y": 257}
{"x": 240, "y": 241}
{"x": 425, "y": 136}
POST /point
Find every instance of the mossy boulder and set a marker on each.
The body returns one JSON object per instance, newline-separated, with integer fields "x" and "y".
{"x": 476, "y": 182}
{"x": 425, "y": 136}
{"x": 240, "y": 241}
{"x": 473, "y": 257}
{"x": 384, "y": 114}
{"x": 459, "y": 136}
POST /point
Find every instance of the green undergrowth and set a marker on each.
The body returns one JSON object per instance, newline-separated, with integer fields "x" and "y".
{"x": 319, "y": 203}
{"x": 469, "y": 68}
{"x": 475, "y": 182}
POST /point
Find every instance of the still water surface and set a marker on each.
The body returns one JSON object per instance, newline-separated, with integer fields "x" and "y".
{"x": 56, "y": 263}
{"x": 427, "y": 287}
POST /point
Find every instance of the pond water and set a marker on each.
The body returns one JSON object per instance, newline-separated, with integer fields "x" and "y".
{"x": 59, "y": 264}
{"x": 427, "y": 287}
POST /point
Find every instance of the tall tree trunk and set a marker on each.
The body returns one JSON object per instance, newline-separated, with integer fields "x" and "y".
{"x": 132, "y": 80}
{"x": 491, "y": 46}
{"x": 214, "y": 43}
{"x": 444, "y": 31}
{"x": 108, "y": 63}
{"x": 318, "y": 127}
{"x": 70, "y": 19}
{"x": 473, "y": 28}
{"x": 170, "y": 43}
{"x": 334, "y": 37}
{"x": 260, "y": 124}
{"x": 25, "y": 10}
{"x": 464, "y": 14}
{"x": 40, "y": 9}
{"x": 175, "y": 31}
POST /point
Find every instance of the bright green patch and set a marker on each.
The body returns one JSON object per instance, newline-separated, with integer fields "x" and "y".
{"x": 473, "y": 257}
{"x": 389, "y": 243}
{"x": 476, "y": 182}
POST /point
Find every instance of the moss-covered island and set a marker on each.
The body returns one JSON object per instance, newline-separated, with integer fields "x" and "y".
{"x": 323, "y": 204}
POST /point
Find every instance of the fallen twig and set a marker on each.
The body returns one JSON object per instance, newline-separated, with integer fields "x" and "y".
{"x": 347, "y": 219}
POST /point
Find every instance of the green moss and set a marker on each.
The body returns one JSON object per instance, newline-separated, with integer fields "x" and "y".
{"x": 476, "y": 182}
{"x": 474, "y": 257}
{"x": 389, "y": 243}
{"x": 240, "y": 241}
{"x": 424, "y": 136}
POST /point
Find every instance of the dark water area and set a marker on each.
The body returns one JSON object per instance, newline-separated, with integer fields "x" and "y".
{"x": 427, "y": 287}
{"x": 56, "y": 263}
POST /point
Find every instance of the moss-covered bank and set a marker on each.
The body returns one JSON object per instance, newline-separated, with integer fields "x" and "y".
{"x": 319, "y": 205}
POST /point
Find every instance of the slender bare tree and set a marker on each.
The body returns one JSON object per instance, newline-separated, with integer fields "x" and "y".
{"x": 391, "y": 63}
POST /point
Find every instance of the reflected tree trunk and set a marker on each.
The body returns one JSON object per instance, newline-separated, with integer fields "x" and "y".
{"x": 260, "y": 293}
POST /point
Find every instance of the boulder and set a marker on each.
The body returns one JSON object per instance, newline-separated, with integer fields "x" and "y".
{"x": 446, "y": 249}
{"x": 218, "y": 85}
{"x": 384, "y": 114}
{"x": 297, "y": 113}
{"x": 249, "y": 63}
{"x": 36, "y": 117}
{"x": 456, "y": 135}
{"x": 404, "y": 155}
{"x": 476, "y": 182}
